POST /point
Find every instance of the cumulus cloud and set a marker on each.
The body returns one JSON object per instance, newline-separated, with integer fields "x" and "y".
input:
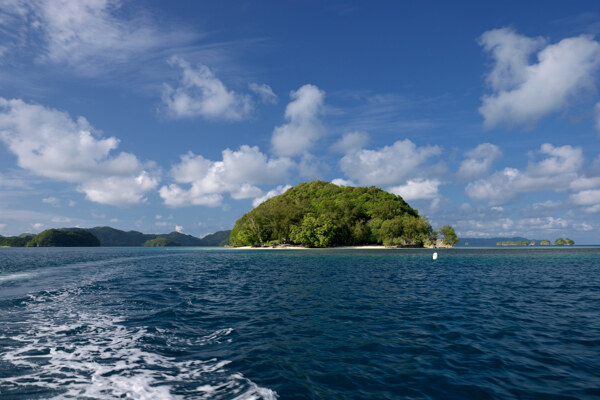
{"x": 179, "y": 228}
{"x": 49, "y": 143}
{"x": 351, "y": 142}
{"x": 343, "y": 182}
{"x": 87, "y": 35}
{"x": 590, "y": 198}
{"x": 478, "y": 161}
{"x": 304, "y": 126}
{"x": 237, "y": 173}
{"x": 556, "y": 172}
{"x": 390, "y": 165}
{"x": 201, "y": 94}
{"x": 271, "y": 193}
{"x": 53, "y": 201}
{"x": 522, "y": 91}
{"x": 265, "y": 92}
{"x": 415, "y": 189}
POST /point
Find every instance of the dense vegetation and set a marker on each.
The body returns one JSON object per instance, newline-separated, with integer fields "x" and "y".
{"x": 564, "y": 242}
{"x": 160, "y": 242}
{"x": 513, "y": 243}
{"x": 15, "y": 241}
{"x": 321, "y": 214}
{"x": 114, "y": 237}
{"x": 61, "y": 238}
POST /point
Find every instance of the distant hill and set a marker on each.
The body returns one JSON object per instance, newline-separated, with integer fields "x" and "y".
{"x": 111, "y": 237}
{"x": 61, "y": 238}
{"x": 220, "y": 238}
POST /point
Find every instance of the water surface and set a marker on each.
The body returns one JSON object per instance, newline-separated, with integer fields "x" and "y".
{"x": 294, "y": 324}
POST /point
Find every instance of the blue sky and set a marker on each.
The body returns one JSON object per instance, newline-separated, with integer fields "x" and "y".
{"x": 162, "y": 116}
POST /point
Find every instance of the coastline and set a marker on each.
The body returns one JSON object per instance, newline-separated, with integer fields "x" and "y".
{"x": 295, "y": 247}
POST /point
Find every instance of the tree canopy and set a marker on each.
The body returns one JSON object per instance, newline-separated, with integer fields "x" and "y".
{"x": 60, "y": 238}
{"x": 322, "y": 214}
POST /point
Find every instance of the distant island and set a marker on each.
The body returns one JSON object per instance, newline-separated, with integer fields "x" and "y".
{"x": 513, "y": 241}
{"x": 322, "y": 214}
{"x": 110, "y": 237}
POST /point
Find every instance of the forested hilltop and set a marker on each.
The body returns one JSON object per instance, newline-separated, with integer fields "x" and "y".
{"x": 322, "y": 214}
{"x": 107, "y": 236}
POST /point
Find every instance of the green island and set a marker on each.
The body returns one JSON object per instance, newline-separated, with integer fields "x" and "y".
{"x": 322, "y": 214}
{"x": 52, "y": 238}
{"x": 160, "y": 242}
{"x": 545, "y": 242}
{"x": 110, "y": 237}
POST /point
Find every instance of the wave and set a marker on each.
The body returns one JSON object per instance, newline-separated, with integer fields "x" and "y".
{"x": 72, "y": 353}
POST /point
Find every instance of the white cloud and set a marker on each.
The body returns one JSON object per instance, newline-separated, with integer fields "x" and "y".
{"x": 343, "y": 182}
{"x": 179, "y": 228}
{"x": 524, "y": 92}
{"x": 479, "y": 161}
{"x": 201, "y": 93}
{"x": 390, "y": 165}
{"x": 88, "y": 35}
{"x": 351, "y": 142}
{"x": 49, "y": 143}
{"x": 53, "y": 201}
{"x": 237, "y": 173}
{"x": 556, "y": 172}
{"x": 37, "y": 226}
{"x": 304, "y": 126}
{"x": 415, "y": 189}
{"x": 589, "y": 198}
{"x": 265, "y": 92}
{"x": 311, "y": 167}
{"x": 271, "y": 193}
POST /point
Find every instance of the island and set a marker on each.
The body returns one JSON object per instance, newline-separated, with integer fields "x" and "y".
{"x": 62, "y": 238}
{"x": 322, "y": 214}
{"x": 111, "y": 237}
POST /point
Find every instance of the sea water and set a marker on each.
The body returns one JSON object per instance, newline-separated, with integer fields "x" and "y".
{"x": 148, "y": 323}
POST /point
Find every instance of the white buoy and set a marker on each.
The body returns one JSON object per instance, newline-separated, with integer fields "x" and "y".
{"x": 435, "y": 256}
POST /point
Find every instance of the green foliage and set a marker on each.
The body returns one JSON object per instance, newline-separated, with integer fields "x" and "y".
{"x": 313, "y": 232}
{"x": 449, "y": 235}
{"x": 321, "y": 214}
{"x": 564, "y": 242}
{"x": 61, "y": 238}
{"x": 160, "y": 241}
{"x": 513, "y": 243}
{"x": 544, "y": 242}
{"x": 15, "y": 241}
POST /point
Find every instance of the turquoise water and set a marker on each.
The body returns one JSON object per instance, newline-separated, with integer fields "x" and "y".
{"x": 292, "y": 324}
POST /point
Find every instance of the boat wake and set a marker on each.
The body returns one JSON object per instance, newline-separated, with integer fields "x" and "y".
{"x": 69, "y": 353}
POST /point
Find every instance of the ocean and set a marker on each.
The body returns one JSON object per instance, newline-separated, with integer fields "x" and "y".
{"x": 188, "y": 323}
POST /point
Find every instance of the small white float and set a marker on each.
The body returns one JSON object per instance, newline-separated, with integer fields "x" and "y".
{"x": 435, "y": 256}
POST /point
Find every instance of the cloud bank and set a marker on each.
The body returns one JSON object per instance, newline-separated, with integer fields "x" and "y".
{"x": 524, "y": 91}
{"x": 49, "y": 143}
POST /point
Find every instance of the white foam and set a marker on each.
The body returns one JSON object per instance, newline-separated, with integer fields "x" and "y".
{"x": 15, "y": 277}
{"x": 85, "y": 355}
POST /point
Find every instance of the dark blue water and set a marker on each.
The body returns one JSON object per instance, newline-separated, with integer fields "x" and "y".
{"x": 293, "y": 324}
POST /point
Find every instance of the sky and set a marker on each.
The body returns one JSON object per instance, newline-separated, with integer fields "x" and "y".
{"x": 184, "y": 115}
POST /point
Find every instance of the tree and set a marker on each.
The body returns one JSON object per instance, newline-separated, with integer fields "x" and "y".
{"x": 560, "y": 242}
{"x": 449, "y": 235}
{"x": 314, "y": 232}
{"x": 569, "y": 242}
